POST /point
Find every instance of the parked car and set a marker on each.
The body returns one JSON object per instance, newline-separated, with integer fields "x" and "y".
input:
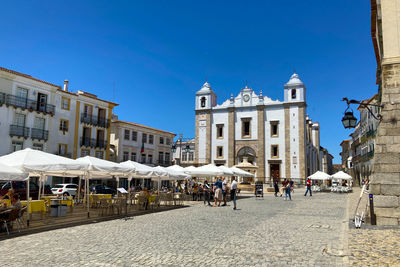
{"x": 20, "y": 188}
{"x": 103, "y": 189}
{"x": 69, "y": 189}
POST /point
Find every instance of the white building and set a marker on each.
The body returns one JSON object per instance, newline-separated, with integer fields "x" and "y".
{"x": 140, "y": 143}
{"x": 275, "y": 136}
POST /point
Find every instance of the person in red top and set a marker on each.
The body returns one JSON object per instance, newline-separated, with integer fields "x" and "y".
{"x": 308, "y": 184}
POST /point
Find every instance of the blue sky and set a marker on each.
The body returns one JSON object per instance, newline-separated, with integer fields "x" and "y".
{"x": 157, "y": 54}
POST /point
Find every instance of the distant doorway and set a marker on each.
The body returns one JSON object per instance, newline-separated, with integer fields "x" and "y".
{"x": 275, "y": 172}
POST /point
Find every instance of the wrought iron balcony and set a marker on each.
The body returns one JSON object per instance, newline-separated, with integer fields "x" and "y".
{"x": 25, "y": 103}
{"x": 20, "y": 131}
{"x": 101, "y": 144}
{"x": 39, "y": 134}
{"x": 88, "y": 142}
{"x": 95, "y": 120}
{"x": 93, "y": 143}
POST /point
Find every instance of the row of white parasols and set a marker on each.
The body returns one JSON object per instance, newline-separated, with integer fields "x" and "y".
{"x": 21, "y": 165}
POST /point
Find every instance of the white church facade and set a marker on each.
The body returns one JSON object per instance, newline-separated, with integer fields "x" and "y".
{"x": 276, "y": 139}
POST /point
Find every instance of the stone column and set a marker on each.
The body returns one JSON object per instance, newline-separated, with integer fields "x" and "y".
{"x": 196, "y": 140}
{"x": 231, "y": 137}
{"x": 385, "y": 180}
{"x": 261, "y": 144}
{"x": 302, "y": 145}
{"x": 287, "y": 141}
{"x": 208, "y": 138}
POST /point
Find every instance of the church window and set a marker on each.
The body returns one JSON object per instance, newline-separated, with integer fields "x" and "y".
{"x": 203, "y": 102}
{"x": 274, "y": 151}
{"x": 246, "y": 127}
{"x": 293, "y": 93}
{"x": 220, "y": 131}
{"x": 274, "y": 128}
{"x": 220, "y": 152}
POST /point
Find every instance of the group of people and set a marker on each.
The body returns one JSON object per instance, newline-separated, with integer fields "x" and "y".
{"x": 220, "y": 190}
{"x": 288, "y": 188}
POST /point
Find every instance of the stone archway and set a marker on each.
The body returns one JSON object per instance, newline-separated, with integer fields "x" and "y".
{"x": 246, "y": 152}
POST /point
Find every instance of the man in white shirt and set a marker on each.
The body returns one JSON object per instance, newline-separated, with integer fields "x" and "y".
{"x": 233, "y": 192}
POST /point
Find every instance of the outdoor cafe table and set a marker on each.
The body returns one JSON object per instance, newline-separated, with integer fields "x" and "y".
{"x": 34, "y": 205}
{"x": 98, "y": 197}
{"x": 68, "y": 202}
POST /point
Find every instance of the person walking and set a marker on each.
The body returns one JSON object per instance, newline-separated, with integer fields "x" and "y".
{"x": 206, "y": 192}
{"x": 284, "y": 184}
{"x": 288, "y": 191}
{"x": 308, "y": 184}
{"x": 233, "y": 192}
{"x": 276, "y": 186}
{"x": 218, "y": 192}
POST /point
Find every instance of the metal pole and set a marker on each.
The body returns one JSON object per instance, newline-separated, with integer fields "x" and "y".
{"x": 371, "y": 209}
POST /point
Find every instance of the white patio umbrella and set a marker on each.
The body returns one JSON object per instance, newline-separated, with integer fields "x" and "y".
{"x": 319, "y": 176}
{"x": 209, "y": 170}
{"x": 140, "y": 170}
{"x": 100, "y": 168}
{"x": 240, "y": 172}
{"x": 9, "y": 173}
{"x": 39, "y": 163}
{"x": 340, "y": 175}
{"x": 226, "y": 170}
{"x": 176, "y": 168}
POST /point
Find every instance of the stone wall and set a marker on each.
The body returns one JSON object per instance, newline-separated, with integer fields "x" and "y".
{"x": 385, "y": 181}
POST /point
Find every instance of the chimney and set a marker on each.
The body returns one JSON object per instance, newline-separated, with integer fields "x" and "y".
{"x": 66, "y": 85}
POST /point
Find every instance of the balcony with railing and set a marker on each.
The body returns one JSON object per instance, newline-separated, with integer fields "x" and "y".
{"x": 93, "y": 143}
{"x": 25, "y": 103}
{"x": 102, "y": 144}
{"x": 88, "y": 142}
{"x": 20, "y": 131}
{"x": 95, "y": 120}
{"x": 39, "y": 134}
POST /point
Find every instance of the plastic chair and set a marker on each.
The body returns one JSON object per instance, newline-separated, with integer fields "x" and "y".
{"x": 13, "y": 216}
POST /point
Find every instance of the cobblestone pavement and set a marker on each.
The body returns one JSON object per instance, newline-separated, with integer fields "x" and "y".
{"x": 372, "y": 245}
{"x": 262, "y": 232}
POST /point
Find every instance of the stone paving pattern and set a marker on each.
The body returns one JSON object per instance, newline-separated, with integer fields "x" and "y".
{"x": 263, "y": 232}
{"x": 371, "y": 245}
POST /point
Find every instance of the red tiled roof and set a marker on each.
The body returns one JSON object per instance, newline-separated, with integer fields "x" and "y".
{"x": 27, "y": 76}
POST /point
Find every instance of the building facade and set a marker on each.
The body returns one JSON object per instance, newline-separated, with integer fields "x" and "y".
{"x": 140, "y": 143}
{"x": 385, "y": 178}
{"x": 184, "y": 153}
{"x": 44, "y": 116}
{"x": 277, "y": 137}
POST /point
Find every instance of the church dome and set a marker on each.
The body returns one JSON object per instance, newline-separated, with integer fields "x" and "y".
{"x": 205, "y": 89}
{"x": 294, "y": 80}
